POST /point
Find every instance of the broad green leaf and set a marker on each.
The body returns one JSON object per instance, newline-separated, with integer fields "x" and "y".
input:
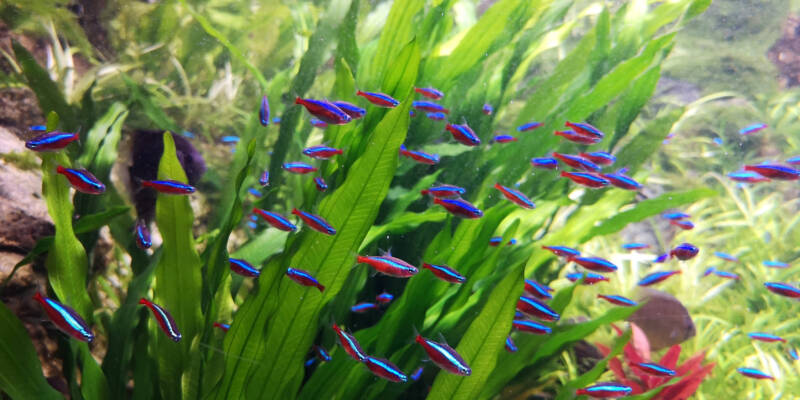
{"x": 178, "y": 278}
{"x": 93, "y": 382}
{"x": 66, "y": 262}
{"x": 631, "y": 104}
{"x": 483, "y": 341}
{"x": 351, "y": 209}
{"x": 20, "y": 371}
{"x": 650, "y": 139}
{"x": 396, "y": 32}
{"x": 648, "y": 208}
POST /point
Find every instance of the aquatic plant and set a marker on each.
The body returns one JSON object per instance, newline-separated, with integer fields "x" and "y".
{"x": 373, "y": 199}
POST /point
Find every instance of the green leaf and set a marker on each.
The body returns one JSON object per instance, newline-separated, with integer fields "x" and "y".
{"x": 20, "y": 372}
{"x": 351, "y": 209}
{"x": 483, "y": 341}
{"x": 347, "y": 48}
{"x": 650, "y": 139}
{"x": 155, "y": 113}
{"x": 631, "y": 104}
{"x": 396, "y": 32}
{"x": 648, "y": 208}
{"x": 178, "y": 279}
{"x": 401, "y": 224}
{"x": 47, "y": 93}
{"x": 66, "y": 262}
{"x": 93, "y": 382}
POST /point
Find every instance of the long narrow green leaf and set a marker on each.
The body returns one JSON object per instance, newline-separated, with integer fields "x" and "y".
{"x": 483, "y": 341}
{"x": 397, "y": 31}
{"x": 178, "y": 278}
{"x": 20, "y": 372}
{"x": 648, "y": 208}
{"x": 66, "y": 262}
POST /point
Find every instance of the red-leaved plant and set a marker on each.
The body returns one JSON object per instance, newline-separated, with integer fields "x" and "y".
{"x": 692, "y": 372}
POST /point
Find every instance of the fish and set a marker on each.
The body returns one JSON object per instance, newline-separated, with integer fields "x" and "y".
{"x": 783, "y": 289}
{"x": 487, "y": 109}
{"x": 142, "y": 235}
{"x": 383, "y": 368}
{"x": 684, "y": 224}
{"x": 436, "y": 116}
{"x": 443, "y": 191}
{"x": 388, "y": 265}
{"x": 316, "y": 123}
{"x": 536, "y": 308}
{"x": 384, "y": 298}
{"x": 415, "y": 376}
{"x": 726, "y": 274}
{"x": 793, "y": 354}
{"x": 495, "y": 241}
{"x": 618, "y": 300}
{"x": 656, "y": 277}
{"x": 576, "y": 137}
{"x": 765, "y": 337}
{"x": 164, "y": 319}
{"x": 528, "y": 326}
{"x": 430, "y": 93}
{"x": 324, "y": 110}
{"x": 577, "y": 162}
{"x": 586, "y": 179}
{"x": 263, "y": 180}
{"x": 663, "y": 319}
{"x": 675, "y": 216}
{"x": 276, "y": 120}
{"x": 429, "y": 106}
{"x": 622, "y": 181}
{"x": 747, "y": 177}
{"x": 529, "y": 126}
{"x": 65, "y": 318}
{"x": 684, "y": 251}
{"x": 793, "y": 160}
{"x": 504, "y": 139}
{"x": 51, "y": 141}
{"x": 589, "y": 278}
{"x": 537, "y": 290}
{"x": 459, "y": 207}
{"x": 169, "y": 187}
{"x": 321, "y": 353}
{"x": 349, "y": 344}
{"x": 298, "y": 167}
{"x": 221, "y": 326}
{"x": 320, "y": 183}
{"x": 230, "y": 139}
{"x": 585, "y": 129}
{"x": 655, "y": 369}
{"x": 263, "y": 111}
{"x": 562, "y": 251}
{"x": 605, "y": 390}
{"x": 661, "y": 258}
{"x": 82, "y": 180}
{"x": 635, "y": 246}
{"x": 419, "y": 156}
{"x": 726, "y": 257}
{"x": 775, "y": 264}
{"x": 379, "y": 99}
{"x": 363, "y": 307}
{"x": 310, "y": 361}
{"x": 315, "y": 222}
{"x": 511, "y": 347}
{"x": 515, "y": 196}
{"x": 717, "y": 141}
{"x": 709, "y": 271}
{"x": 754, "y": 373}
{"x": 276, "y": 220}
{"x": 599, "y": 157}
{"x": 463, "y": 134}
{"x": 354, "y": 111}
{"x": 753, "y": 128}
{"x": 38, "y": 128}
{"x": 304, "y": 278}
{"x": 544, "y": 162}
{"x": 774, "y": 171}
{"x": 243, "y": 268}
{"x": 444, "y": 356}
{"x": 254, "y": 192}
{"x": 252, "y": 225}
{"x": 445, "y": 273}
{"x": 595, "y": 264}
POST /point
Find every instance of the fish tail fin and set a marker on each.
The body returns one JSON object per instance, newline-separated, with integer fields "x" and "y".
{"x": 144, "y": 301}
{"x": 298, "y": 100}
{"x": 321, "y": 287}
{"x": 60, "y": 169}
